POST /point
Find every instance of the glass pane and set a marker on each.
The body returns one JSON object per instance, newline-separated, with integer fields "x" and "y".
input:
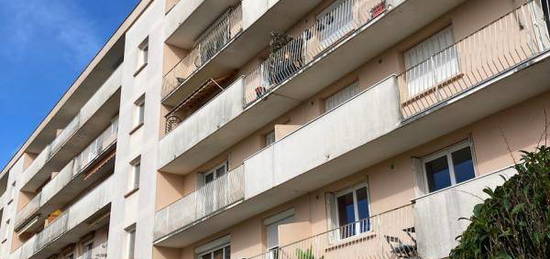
{"x": 438, "y": 174}
{"x": 206, "y": 256}
{"x": 218, "y": 254}
{"x": 228, "y": 252}
{"x": 363, "y": 209}
{"x": 220, "y": 171}
{"x": 346, "y": 215}
{"x": 463, "y": 165}
{"x": 208, "y": 178}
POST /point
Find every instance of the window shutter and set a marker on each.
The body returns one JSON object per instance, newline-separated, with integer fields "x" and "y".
{"x": 332, "y": 218}
{"x": 341, "y": 96}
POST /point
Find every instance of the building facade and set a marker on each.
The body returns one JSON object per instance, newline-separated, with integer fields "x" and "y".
{"x": 269, "y": 129}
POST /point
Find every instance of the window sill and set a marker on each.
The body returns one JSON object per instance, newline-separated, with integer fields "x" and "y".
{"x": 140, "y": 68}
{"x": 129, "y": 193}
{"x": 136, "y": 128}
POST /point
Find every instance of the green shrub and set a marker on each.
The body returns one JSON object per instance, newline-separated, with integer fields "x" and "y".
{"x": 515, "y": 221}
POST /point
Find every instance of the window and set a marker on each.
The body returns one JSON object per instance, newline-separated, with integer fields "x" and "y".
{"x": 223, "y": 252}
{"x": 88, "y": 250}
{"x": 433, "y": 61}
{"x": 449, "y": 167}
{"x": 135, "y": 170}
{"x": 143, "y": 54}
{"x": 139, "y": 117}
{"x": 352, "y": 210}
{"x": 334, "y": 22}
{"x": 341, "y": 96}
{"x": 272, "y": 231}
{"x": 270, "y": 138}
{"x": 130, "y": 242}
{"x": 215, "y": 173}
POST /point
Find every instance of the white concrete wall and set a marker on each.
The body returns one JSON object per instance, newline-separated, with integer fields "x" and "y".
{"x": 220, "y": 110}
{"x": 365, "y": 117}
{"x": 254, "y": 9}
{"x": 181, "y": 12}
{"x": 138, "y": 207}
{"x": 437, "y": 214}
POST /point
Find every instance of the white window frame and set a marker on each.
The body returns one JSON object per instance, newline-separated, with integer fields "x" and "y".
{"x": 211, "y": 247}
{"x": 214, "y": 172}
{"x": 135, "y": 172}
{"x": 131, "y": 242}
{"x": 447, "y": 152}
{"x": 143, "y": 54}
{"x": 139, "y": 113}
{"x": 353, "y": 190}
{"x": 88, "y": 244}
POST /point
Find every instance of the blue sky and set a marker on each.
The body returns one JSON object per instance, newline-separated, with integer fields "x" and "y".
{"x": 45, "y": 46}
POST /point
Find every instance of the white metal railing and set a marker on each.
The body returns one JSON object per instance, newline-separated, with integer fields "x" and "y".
{"x": 71, "y": 170}
{"x": 497, "y": 47}
{"x": 387, "y": 235}
{"x": 207, "y": 200}
{"x": 307, "y": 45}
{"x": 227, "y": 27}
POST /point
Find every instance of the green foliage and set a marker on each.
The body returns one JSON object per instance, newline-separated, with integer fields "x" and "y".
{"x": 307, "y": 254}
{"x": 515, "y": 221}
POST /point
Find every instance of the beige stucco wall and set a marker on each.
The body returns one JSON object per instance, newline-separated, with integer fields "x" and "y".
{"x": 392, "y": 183}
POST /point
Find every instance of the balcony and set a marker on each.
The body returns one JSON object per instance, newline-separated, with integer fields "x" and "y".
{"x": 205, "y": 202}
{"x": 389, "y": 234}
{"x": 231, "y": 49}
{"x": 93, "y": 117}
{"x": 294, "y": 74}
{"x": 443, "y": 209}
{"x": 87, "y": 214}
{"x": 93, "y": 163}
{"x": 494, "y": 50}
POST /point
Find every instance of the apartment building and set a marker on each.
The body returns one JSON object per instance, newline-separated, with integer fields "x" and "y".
{"x": 267, "y": 129}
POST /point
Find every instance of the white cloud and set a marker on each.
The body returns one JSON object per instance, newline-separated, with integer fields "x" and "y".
{"x": 38, "y": 24}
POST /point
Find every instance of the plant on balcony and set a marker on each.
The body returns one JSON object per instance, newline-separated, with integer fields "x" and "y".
{"x": 514, "y": 222}
{"x": 285, "y": 57}
{"x": 307, "y": 254}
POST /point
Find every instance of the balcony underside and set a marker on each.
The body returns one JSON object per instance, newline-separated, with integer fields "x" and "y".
{"x": 97, "y": 221}
{"x": 510, "y": 88}
{"x": 351, "y": 53}
{"x": 77, "y": 185}
{"x": 76, "y": 143}
{"x": 194, "y": 17}
{"x": 244, "y": 47}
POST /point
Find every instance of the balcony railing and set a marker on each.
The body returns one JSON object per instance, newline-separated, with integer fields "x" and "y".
{"x": 84, "y": 208}
{"x": 109, "y": 87}
{"x": 387, "y": 235}
{"x": 227, "y": 27}
{"x": 496, "y": 48}
{"x": 206, "y": 201}
{"x": 101, "y": 144}
{"x": 306, "y": 46}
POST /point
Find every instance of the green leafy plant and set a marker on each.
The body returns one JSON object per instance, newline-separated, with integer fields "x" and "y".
{"x": 307, "y": 254}
{"x": 514, "y": 222}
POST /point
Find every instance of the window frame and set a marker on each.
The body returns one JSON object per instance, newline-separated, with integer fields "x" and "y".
{"x": 88, "y": 247}
{"x": 269, "y": 138}
{"x": 353, "y": 86}
{"x": 353, "y": 189}
{"x": 216, "y": 248}
{"x": 135, "y": 172}
{"x": 130, "y": 242}
{"x": 447, "y": 152}
{"x": 214, "y": 172}
{"x": 142, "y": 55}
{"x": 139, "y": 112}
